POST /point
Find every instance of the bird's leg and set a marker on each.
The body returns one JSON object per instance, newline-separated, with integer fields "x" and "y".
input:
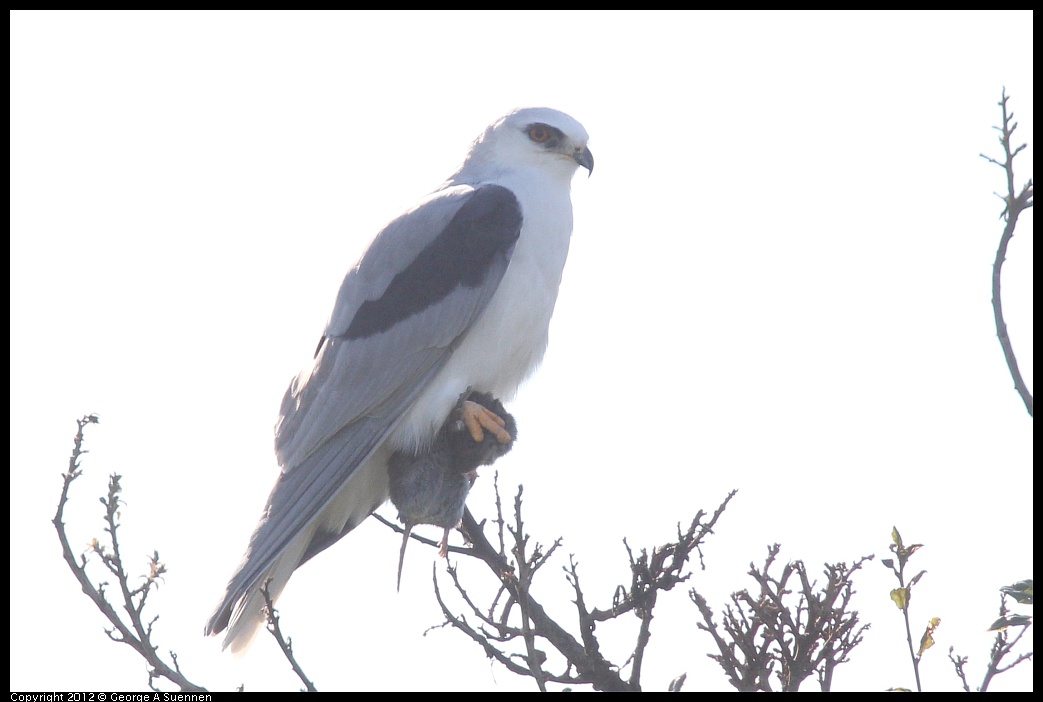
{"x": 479, "y": 418}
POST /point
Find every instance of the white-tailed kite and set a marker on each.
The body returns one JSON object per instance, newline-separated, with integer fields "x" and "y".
{"x": 454, "y": 295}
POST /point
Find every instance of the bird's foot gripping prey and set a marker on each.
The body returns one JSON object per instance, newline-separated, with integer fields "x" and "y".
{"x": 431, "y": 487}
{"x": 478, "y": 419}
{"x": 453, "y": 296}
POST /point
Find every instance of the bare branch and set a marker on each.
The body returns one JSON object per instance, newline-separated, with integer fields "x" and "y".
{"x": 526, "y": 571}
{"x": 271, "y": 617}
{"x": 515, "y": 566}
{"x": 792, "y": 641}
{"x": 1014, "y": 204}
{"x": 482, "y": 640}
{"x": 132, "y": 630}
{"x": 1001, "y": 647}
{"x": 958, "y": 663}
{"x": 591, "y": 667}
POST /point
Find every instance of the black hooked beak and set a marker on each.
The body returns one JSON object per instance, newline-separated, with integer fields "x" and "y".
{"x": 585, "y": 159}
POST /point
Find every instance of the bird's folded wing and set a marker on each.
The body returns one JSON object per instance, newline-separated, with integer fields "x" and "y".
{"x": 420, "y": 286}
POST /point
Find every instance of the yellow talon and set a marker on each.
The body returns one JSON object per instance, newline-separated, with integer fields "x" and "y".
{"x": 479, "y": 418}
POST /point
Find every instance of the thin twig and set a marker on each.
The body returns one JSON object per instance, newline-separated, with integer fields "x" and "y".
{"x": 1001, "y": 646}
{"x": 525, "y": 573}
{"x": 136, "y": 633}
{"x": 1014, "y": 205}
{"x": 271, "y": 617}
{"x": 958, "y": 663}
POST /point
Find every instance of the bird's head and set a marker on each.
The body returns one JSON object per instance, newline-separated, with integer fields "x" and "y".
{"x": 536, "y": 136}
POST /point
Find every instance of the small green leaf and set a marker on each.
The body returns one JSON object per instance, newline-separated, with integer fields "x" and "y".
{"x": 896, "y": 537}
{"x": 1010, "y": 620}
{"x": 900, "y": 595}
{"x": 889, "y": 563}
{"x": 1020, "y": 591}
{"x": 927, "y": 640}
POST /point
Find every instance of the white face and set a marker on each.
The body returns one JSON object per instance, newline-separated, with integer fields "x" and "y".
{"x": 540, "y": 135}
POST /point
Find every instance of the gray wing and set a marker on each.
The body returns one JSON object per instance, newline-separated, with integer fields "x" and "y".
{"x": 416, "y": 291}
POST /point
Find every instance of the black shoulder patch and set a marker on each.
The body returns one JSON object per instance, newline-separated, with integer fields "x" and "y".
{"x": 486, "y": 226}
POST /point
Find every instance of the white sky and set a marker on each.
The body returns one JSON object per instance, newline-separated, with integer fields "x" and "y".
{"x": 779, "y": 282}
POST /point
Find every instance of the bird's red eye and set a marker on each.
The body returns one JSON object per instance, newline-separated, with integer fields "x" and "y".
{"x": 539, "y": 134}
